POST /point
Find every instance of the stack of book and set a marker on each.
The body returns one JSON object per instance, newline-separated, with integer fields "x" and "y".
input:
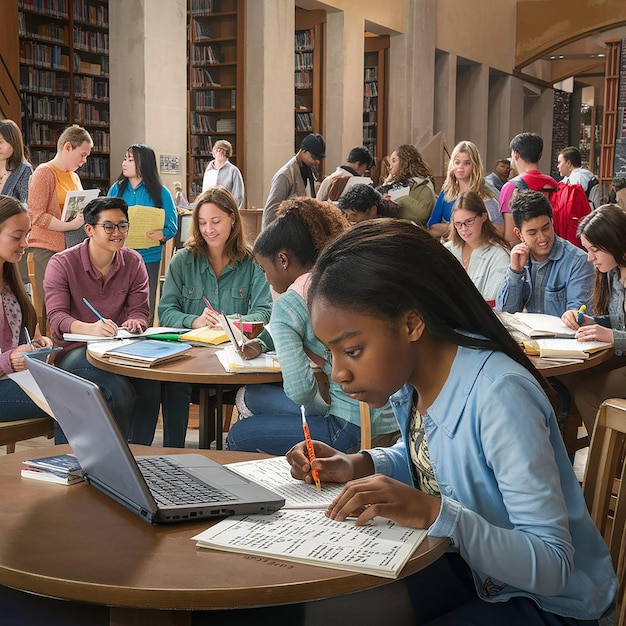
{"x": 62, "y": 469}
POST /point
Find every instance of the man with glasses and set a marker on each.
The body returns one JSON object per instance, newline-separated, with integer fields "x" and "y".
{"x": 95, "y": 288}
{"x": 547, "y": 274}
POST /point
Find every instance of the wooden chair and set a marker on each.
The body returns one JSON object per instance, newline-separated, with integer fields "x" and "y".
{"x": 20, "y": 430}
{"x": 602, "y": 487}
{"x": 366, "y": 426}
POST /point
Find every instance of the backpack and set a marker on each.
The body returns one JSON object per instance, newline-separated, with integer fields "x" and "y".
{"x": 594, "y": 193}
{"x": 569, "y": 206}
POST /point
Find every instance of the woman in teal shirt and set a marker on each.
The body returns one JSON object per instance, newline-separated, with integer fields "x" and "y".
{"x": 140, "y": 185}
{"x": 215, "y": 264}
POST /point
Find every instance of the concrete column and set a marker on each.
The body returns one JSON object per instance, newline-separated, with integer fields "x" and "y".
{"x": 445, "y": 97}
{"x": 148, "y": 79}
{"x": 344, "y": 85}
{"x": 269, "y": 93}
{"x": 472, "y": 104}
{"x": 412, "y": 75}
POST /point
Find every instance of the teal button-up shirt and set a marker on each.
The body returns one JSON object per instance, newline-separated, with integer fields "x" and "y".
{"x": 241, "y": 289}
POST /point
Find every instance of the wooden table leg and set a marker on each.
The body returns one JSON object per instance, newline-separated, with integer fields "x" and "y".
{"x": 206, "y": 421}
{"x": 219, "y": 417}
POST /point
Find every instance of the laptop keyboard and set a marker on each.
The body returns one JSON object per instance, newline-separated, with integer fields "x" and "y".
{"x": 170, "y": 485}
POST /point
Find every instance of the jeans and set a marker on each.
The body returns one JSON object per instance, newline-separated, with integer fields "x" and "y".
{"x": 15, "y": 404}
{"x": 153, "y": 280}
{"x": 275, "y": 425}
{"x": 118, "y": 391}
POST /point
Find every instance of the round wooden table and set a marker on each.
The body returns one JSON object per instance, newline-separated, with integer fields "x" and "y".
{"x": 75, "y": 543}
{"x": 201, "y": 367}
{"x": 552, "y": 367}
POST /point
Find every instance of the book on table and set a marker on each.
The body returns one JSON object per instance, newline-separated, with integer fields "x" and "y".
{"x": 147, "y": 352}
{"x": 207, "y": 335}
{"x": 563, "y": 348}
{"x": 232, "y": 361}
{"x": 63, "y": 469}
{"x": 380, "y": 548}
{"x": 122, "y": 333}
{"x": 535, "y": 325}
{"x": 274, "y": 474}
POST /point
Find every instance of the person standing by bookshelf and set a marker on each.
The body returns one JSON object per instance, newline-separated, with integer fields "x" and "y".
{"x": 15, "y": 172}
{"x": 139, "y": 184}
{"x": 220, "y": 171}
{"x": 48, "y": 187}
{"x": 16, "y": 312}
{"x": 481, "y": 460}
{"x": 297, "y": 177}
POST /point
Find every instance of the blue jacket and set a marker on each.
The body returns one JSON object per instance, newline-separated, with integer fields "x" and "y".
{"x": 568, "y": 283}
{"x": 615, "y": 318}
{"x": 510, "y": 502}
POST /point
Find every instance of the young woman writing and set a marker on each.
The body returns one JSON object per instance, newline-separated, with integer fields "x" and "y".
{"x": 484, "y": 254}
{"x": 16, "y": 312}
{"x": 218, "y": 265}
{"x": 270, "y": 415}
{"x": 603, "y": 235}
{"x": 481, "y": 459}
{"x": 140, "y": 184}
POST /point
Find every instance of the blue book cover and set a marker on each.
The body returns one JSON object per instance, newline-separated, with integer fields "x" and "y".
{"x": 148, "y": 351}
{"x": 60, "y": 463}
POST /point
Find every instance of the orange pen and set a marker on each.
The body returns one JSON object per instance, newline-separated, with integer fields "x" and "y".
{"x": 309, "y": 449}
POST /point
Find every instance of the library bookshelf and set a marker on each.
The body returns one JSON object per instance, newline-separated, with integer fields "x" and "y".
{"x": 216, "y": 57}
{"x": 374, "y": 94}
{"x": 308, "y": 73}
{"x": 64, "y": 78}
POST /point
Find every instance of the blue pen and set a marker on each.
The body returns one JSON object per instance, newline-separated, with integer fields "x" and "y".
{"x": 582, "y": 309}
{"x": 94, "y": 310}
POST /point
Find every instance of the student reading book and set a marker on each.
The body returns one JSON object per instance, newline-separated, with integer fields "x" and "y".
{"x": 481, "y": 460}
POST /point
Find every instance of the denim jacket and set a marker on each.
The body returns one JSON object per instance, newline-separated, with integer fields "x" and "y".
{"x": 615, "y": 318}
{"x": 510, "y": 502}
{"x": 568, "y": 282}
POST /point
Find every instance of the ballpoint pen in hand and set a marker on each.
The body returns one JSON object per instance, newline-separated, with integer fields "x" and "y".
{"x": 582, "y": 309}
{"x": 27, "y": 337}
{"x": 208, "y": 305}
{"x": 309, "y": 449}
{"x": 94, "y": 310}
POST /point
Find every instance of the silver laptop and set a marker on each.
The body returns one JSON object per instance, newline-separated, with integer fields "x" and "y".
{"x": 159, "y": 489}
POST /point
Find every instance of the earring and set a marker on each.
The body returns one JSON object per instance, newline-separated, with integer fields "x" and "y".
{"x": 284, "y": 266}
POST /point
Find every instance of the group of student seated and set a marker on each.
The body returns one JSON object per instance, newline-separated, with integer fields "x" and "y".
{"x": 465, "y": 435}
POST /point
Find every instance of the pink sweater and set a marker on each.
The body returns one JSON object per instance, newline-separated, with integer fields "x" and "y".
{"x": 43, "y": 205}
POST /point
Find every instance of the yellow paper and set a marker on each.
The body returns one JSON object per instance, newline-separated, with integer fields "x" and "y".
{"x": 206, "y": 334}
{"x": 142, "y": 219}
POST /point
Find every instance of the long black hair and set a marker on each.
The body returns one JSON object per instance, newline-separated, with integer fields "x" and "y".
{"x": 395, "y": 266}
{"x": 146, "y": 166}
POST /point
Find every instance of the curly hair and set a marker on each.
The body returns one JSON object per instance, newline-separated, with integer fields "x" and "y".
{"x": 304, "y": 226}
{"x": 411, "y": 163}
{"x": 477, "y": 182}
{"x": 236, "y": 247}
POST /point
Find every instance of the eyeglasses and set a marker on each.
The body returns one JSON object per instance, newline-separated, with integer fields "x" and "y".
{"x": 466, "y": 223}
{"x": 109, "y": 228}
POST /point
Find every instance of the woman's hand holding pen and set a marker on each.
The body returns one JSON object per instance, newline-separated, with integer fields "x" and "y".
{"x": 380, "y": 495}
{"x": 570, "y": 319}
{"x": 250, "y": 349}
{"x": 333, "y": 466}
{"x": 208, "y": 318}
{"x": 595, "y": 332}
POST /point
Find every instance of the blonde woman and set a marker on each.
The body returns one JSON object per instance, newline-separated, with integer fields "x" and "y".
{"x": 465, "y": 173}
{"x": 478, "y": 247}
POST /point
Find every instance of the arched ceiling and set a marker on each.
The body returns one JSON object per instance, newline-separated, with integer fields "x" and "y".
{"x": 559, "y": 39}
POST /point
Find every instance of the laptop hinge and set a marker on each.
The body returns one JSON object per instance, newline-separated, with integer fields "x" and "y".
{"x": 143, "y": 513}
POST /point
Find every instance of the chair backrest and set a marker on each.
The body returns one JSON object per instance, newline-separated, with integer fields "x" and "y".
{"x": 366, "y": 426}
{"x": 603, "y": 487}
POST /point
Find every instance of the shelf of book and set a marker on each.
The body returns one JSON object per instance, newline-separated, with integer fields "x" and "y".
{"x": 64, "y": 78}
{"x": 374, "y": 94}
{"x": 308, "y": 73}
{"x": 216, "y": 59}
